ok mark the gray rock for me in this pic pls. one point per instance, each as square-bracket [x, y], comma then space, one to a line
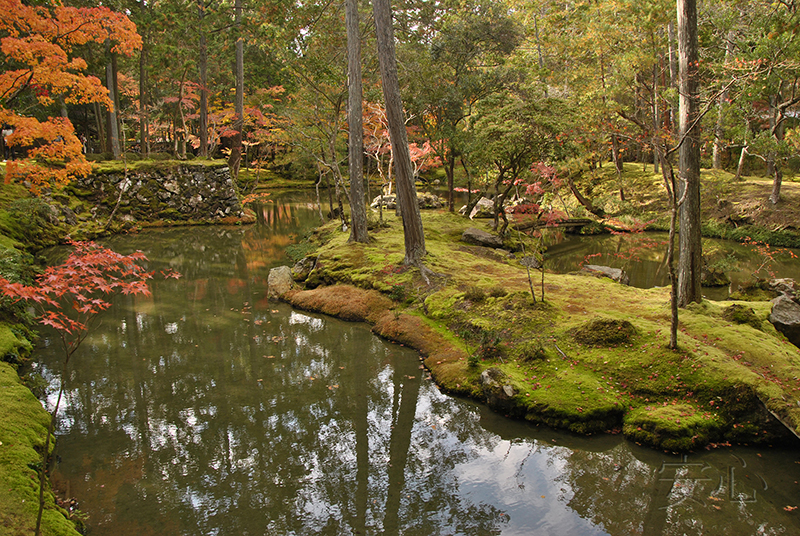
[785, 286]
[484, 208]
[530, 262]
[617, 274]
[389, 202]
[497, 389]
[279, 282]
[302, 268]
[478, 237]
[785, 316]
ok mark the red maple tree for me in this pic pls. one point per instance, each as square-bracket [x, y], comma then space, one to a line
[69, 296]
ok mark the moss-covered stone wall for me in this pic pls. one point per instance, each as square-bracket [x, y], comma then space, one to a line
[178, 193]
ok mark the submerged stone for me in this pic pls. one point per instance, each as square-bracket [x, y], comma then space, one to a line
[617, 274]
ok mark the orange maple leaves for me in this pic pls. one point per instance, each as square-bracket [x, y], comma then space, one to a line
[37, 55]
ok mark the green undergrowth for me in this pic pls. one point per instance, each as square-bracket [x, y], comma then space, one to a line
[593, 356]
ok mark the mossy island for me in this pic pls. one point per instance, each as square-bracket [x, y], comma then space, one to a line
[591, 358]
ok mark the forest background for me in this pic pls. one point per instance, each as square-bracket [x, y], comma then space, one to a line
[490, 87]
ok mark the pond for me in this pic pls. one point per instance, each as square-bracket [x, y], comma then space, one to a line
[643, 256]
[207, 410]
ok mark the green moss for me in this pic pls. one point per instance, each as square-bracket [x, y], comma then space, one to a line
[22, 432]
[605, 332]
[622, 363]
[13, 347]
[741, 314]
[672, 426]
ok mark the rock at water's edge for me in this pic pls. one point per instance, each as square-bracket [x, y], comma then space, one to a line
[280, 281]
[617, 274]
[785, 316]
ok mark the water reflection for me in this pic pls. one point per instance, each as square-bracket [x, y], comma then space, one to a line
[643, 256]
[204, 409]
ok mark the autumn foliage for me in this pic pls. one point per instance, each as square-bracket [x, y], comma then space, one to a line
[67, 296]
[37, 53]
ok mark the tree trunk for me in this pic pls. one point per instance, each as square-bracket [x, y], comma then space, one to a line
[740, 167]
[690, 258]
[413, 233]
[358, 210]
[235, 159]
[182, 153]
[778, 133]
[719, 132]
[202, 60]
[113, 124]
[656, 117]
[449, 171]
[144, 124]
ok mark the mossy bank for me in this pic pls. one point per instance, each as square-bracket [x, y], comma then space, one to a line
[590, 357]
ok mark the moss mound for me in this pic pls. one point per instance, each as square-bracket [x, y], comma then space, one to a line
[605, 332]
[741, 314]
[675, 427]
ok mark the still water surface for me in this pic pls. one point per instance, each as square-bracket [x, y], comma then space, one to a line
[206, 410]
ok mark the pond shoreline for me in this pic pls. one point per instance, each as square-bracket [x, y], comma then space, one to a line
[449, 321]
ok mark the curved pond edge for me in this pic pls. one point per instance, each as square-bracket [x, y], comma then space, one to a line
[449, 368]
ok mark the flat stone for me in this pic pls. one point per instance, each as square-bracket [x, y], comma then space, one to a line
[617, 274]
[479, 237]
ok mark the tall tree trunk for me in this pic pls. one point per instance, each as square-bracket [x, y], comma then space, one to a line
[719, 132]
[449, 171]
[414, 237]
[778, 132]
[235, 159]
[690, 258]
[144, 120]
[182, 153]
[113, 123]
[656, 117]
[358, 210]
[202, 53]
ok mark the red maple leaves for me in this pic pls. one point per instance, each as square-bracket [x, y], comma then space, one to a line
[81, 284]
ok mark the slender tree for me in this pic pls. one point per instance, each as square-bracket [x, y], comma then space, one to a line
[690, 259]
[235, 159]
[404, 175]
[358, 212]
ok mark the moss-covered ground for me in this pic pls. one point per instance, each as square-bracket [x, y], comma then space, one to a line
[591, 357]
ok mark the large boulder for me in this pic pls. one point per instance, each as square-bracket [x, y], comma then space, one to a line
[785, 286]
[785, 316]
[617, 274]
[279, 282]
[303, 268]
[477, 237]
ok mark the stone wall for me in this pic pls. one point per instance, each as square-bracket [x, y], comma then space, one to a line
[176, 192]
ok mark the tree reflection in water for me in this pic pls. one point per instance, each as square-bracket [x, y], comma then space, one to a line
[206, 410]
